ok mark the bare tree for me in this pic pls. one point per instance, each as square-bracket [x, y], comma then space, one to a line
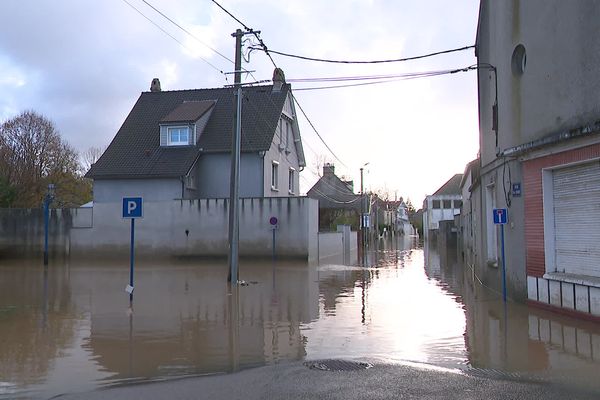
[90, 156]
[32, 155]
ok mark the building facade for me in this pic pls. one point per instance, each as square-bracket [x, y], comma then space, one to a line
[443, 205]
[539, 113]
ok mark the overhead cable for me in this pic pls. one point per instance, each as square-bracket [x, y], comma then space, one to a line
[316, 131]
[188, 32]
[375, 80]
[262, 47]
[306, 58]
[171, 36]
[265, 49]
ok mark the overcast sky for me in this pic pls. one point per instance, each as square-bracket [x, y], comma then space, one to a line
[83, 64]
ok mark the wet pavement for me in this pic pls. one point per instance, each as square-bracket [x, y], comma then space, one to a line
[414, 313]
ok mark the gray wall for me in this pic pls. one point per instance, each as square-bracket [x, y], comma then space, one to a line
[559, 88]
[214, 170]
[162, 231]
[22, 231]
[110, 190]
[286, 154]
[100, 231]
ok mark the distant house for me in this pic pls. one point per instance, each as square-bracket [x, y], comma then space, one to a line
[177, 145]
[443, 205]
[337, 202]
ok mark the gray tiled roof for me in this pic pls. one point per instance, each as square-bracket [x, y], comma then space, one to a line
[189, 111]
[135, 151]
[451, 187]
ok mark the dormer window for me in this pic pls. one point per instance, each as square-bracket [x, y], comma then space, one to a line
[178, 135]
[185, 123]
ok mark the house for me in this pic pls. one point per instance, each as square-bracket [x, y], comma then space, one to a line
[539, 125]
[337, 202]
[469, 219]
[177, 145]
[443, 205]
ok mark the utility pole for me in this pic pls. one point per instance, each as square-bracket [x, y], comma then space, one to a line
[363, 229]
[234, 194]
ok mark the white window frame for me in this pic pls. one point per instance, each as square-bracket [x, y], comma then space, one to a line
[274, 175]
[291, 180]
[179, 128]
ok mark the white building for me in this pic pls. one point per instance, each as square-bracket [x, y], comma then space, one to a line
[443, 205]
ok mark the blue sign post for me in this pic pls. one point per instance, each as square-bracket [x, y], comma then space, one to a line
[132, 208]
[501, 218]
[274, 225]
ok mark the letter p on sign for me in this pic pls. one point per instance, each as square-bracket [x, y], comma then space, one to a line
[132, 207]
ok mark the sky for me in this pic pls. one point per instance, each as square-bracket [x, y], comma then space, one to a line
[84, 63]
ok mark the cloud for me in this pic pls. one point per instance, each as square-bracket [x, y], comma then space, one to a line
[84, 63]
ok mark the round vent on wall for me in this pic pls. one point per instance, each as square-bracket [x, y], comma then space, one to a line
[519, 60]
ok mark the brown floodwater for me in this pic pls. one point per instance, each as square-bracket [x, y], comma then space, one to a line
[69, 328]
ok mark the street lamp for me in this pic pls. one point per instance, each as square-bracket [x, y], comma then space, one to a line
[48, 198]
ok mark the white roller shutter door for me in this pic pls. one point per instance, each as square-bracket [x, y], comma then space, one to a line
[576, 192]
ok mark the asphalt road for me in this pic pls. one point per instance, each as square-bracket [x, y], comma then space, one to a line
[296, 381]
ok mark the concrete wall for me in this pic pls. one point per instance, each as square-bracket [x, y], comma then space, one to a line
[339, 247]
[559, 88]
[200, 228]
[162, 232]
[110, 190]
[213, 173]
[22, 231]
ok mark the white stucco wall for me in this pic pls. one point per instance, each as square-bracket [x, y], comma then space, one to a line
[110, 190]
[162, 230]
[213, 174]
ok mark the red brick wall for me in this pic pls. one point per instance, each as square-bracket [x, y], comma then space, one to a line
[534, 212]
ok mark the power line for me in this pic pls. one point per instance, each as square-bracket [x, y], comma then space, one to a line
[316, 131]
[265, 49]
[306, 58]
[172, 37]
[374, 77]
[376, 82]
[262, 47]
[188, 32]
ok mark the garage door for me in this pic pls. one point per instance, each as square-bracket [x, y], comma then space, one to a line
[577, 219]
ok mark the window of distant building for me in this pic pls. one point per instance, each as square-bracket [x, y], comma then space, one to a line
[436, 204]
[457, 203]
[447, 204]
[275, 175]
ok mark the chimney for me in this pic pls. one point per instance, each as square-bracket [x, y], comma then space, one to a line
[155, 85]
[328, 169]
[278, 79]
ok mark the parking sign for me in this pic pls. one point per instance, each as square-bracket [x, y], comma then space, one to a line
[132, 207]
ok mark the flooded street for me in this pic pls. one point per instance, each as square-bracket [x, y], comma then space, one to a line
[70, 328]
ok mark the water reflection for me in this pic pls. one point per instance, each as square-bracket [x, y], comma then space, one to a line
[514, 340]
[69, 328]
